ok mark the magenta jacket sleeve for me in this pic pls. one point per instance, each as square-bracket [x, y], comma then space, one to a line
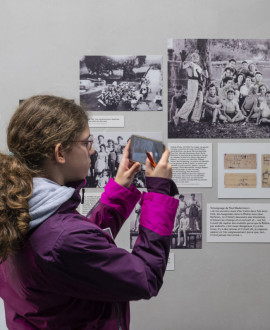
[115, 205]
[120, 198]
[158, 212]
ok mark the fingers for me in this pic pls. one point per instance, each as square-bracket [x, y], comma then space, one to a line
[127, 169]
[136, 167]
[126, 150]
[163, 168]
[165, 156]
[125, 175]
[148, 167]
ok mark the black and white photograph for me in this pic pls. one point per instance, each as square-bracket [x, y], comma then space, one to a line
[134, 224]
[108, 153]
[218, 88]
[187, 231]
[121, 83]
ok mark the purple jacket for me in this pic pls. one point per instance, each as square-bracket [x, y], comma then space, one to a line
[71, 275]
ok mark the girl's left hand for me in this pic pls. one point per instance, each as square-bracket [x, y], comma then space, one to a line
[127, 169]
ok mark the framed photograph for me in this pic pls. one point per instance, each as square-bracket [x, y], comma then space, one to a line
[121, 83]
[218, 88]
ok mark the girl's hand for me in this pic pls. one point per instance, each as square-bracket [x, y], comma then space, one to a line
[163, 168]
[127, 169]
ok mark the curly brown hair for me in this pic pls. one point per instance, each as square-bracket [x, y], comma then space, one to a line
[36, 127]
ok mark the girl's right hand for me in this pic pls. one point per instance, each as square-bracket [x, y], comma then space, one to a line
[126, 170]
[163, 168]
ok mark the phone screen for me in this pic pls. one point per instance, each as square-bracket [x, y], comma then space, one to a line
[139, 145]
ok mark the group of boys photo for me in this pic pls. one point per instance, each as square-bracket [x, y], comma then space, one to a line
[105, 161]
[212, 97]
[187, 231]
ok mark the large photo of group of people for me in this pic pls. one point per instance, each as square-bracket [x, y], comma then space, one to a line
[108, 153]
[218, 88]
[187, 231]
[121, 83]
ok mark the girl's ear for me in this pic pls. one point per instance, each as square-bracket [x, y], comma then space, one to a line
[59, 154]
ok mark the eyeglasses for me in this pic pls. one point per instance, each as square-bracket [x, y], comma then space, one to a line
[88, 143]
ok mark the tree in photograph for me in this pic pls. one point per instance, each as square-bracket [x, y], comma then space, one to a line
[128, 65]
[99, 65]
[203, 47]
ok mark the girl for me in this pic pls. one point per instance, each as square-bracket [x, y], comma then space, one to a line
[59, 269]
[262, 91]
[102, 160]
[239, 81]
[244, 90]
[237, 84]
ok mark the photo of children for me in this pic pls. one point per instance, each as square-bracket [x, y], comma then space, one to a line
[105, 160]
[134, 221]
[218, 88]
[121, 83]
[187, 232]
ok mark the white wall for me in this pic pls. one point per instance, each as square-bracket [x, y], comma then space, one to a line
[222, 286]
[2, 316]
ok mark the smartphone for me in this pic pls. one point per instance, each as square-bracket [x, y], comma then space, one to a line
[139, 145]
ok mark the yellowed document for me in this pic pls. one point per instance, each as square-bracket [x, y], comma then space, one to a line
[240, 180]
[266, 171]
[240, 161]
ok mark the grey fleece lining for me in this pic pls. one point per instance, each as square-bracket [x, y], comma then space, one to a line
[47, 197]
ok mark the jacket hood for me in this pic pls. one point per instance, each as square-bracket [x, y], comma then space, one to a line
[47, 197]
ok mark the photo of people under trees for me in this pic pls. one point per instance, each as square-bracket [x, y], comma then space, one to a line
[218, 88]
[121, 83]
